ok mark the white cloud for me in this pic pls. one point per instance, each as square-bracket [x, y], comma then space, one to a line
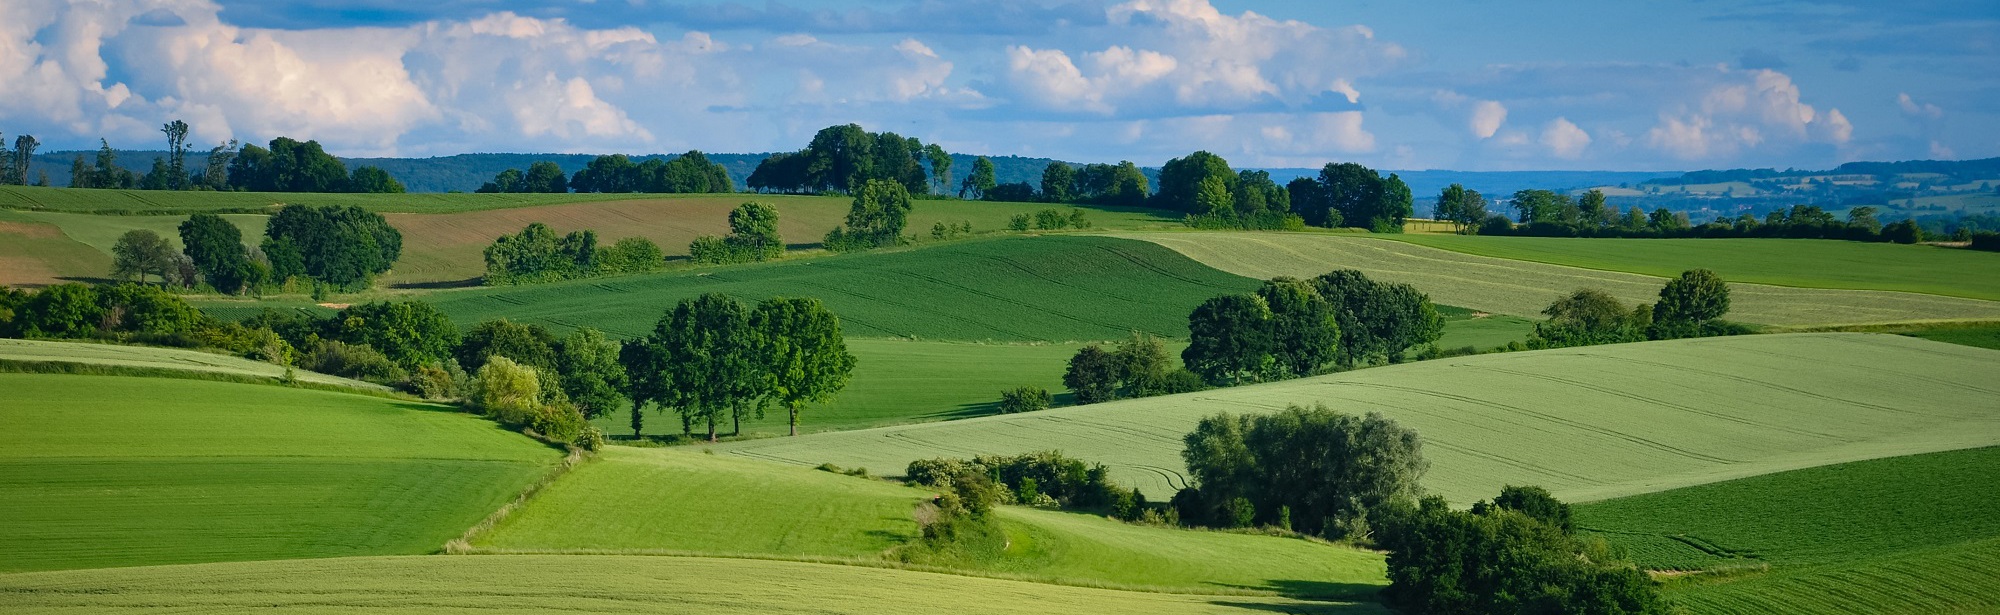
[1941, 152]
[1563, 139]
[1912, 108]
[1487, 116]
[1742, 110]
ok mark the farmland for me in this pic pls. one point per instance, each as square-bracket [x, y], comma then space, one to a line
[729, 505]
[159, 358]
[1806, 263]
[1524, 288]
[587, 583]
[210, 471]
[160, 202]
[1587, 423]
[1897, 535]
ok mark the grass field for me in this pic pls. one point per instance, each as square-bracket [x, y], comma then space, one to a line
[99, 471]
[1807, 263]
[160, 358]
[505, 584]
[37, 253]
[1902, 534]
[682, 501]
[1524, 288]
[1588, 423]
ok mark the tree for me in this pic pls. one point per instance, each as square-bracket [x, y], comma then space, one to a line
[630, 255]
[1328, 469]
[342, 246]
[1024, 399]
[216, 248]
[592, 376]
[1058, 182]
[1593, 212]
[1195, 184]
[804, 357]
[545, 177]
[691, 172]
[1211, 198]
[647, 379]
[1904, 232]
[981, 181]
[940, 167]
[1229, 339]
[177, 132]
[709, 353]
[1497, 559]
[1538, 504]
[1093, 375]
[1545, 206]
[24, 154]
[1465, 209]
[1256, 194]
[527, 344]
[61, 311]
[1143, 365]
[1377, 320]
[411, 333]
[1696, 297]
[507, 391]
[140, 252]
[881, 209]
[1588, 317]
[507, 181]
[373, 180]
[753, 231]
[1305, 334]
[216, 177]
[536, 254]
[1121, 184]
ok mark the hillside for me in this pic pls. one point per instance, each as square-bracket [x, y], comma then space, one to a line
[590, 583]
[1898, 535]
[100, 471]
[1587, 423]
[148, 357]
[1524, 288]
[728, 505]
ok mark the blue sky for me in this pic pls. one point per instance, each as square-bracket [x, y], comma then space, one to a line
[1456, 84]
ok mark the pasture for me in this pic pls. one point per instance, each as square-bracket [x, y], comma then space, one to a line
[1524, 288]
[101, 471]
[1901, 534]
[681, 501]
[505, 584]
[1804, 263]
[161, 358]
[1587, 423]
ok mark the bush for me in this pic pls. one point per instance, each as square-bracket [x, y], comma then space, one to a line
[357, 361]
[1051, 219]
[1496, 559]
[506, 391]
[1025, 399]
[1328, 470]
[1985, 241]
[1018, 223]
[557, 422]
[630, 255]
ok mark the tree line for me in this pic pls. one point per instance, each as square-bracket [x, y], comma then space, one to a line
[328, 247]
[287, 165]
[536, 254]
[1691, 305]
[1547, 213]
[847, 158]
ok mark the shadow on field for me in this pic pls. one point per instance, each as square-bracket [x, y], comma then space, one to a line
[1301, 609]
[86, 279]
[440, 284]
[1315, 590]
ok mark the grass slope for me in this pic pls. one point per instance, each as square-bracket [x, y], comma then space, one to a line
[35, 253]
[126, 202]
[1524, 288]
[1588, 423]
[1903, 534]
[682, 501]
[100, 471]
[160, 358]
[503, 584]
[1809, 263]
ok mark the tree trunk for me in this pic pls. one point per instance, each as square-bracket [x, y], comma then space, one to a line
[638, 420]
[711, 427]
[735, 423]
[795, 421]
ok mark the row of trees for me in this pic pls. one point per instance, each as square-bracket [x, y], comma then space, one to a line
[847, 158]
[291, 166]
[691, 172]
[1546, 213]
[286, 166]
[1121, 184]
[1516, 555]
[1309, 470]
[338, 247]
[1292, 327]
[712, 358]
[542, 177]
[753, 237]
[537, 254]
[1691, 305]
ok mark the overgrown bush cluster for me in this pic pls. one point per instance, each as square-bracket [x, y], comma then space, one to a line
[753, 236]
[1691, 305]
[1137, 367]
[1309, 470]
[1045, 479]
[880, 211]
[1292, 328]
[536, 255]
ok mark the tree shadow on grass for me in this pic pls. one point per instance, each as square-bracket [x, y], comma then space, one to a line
[1327, 608]
[86, 279]
[1315, 590]
[440, 284]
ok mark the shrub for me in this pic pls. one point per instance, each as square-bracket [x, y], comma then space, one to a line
[1328, 469]
[357, 361]
[1018, 223]
[630, 255]
[557, 422]
[507, 391]
[1496, 559]
[1025, 399]
[1051, 219]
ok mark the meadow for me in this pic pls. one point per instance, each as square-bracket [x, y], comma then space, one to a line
[505, 584]
[726, 505]
[161, 358]
[1524, 288]
[1901, 534]
[1806, 263]
[1587, 423]
[101, 471]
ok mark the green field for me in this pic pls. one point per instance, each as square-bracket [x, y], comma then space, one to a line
[1524, 288]
[684, 502]
[160, 358]
[1588, 423]
[1808, 263]
[589, 584]
[1984, 336]
[122, 202]
[99, 471]
[1902, 534]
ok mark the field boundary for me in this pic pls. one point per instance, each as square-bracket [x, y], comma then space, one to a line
[85, 368]
[463, 544]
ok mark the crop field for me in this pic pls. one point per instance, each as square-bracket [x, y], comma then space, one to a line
[1807, 263]
[1034, 289]
[34, 253]
[1524, 288]
[161, 358]
[505, 584]
[684, 502]
[122, 202]
[1896, 534]
[1587, 423]
[99, 471]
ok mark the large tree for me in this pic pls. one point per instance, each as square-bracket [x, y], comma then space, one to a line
[411, 333]
[592, 377]
[1321, 470]
[1695, 298]
[709, 352]
[940, 167]
[373, 180]
[216, 248]
[140, 252]
[177, 132]
[1463, 208]
[24, 155]
[981, 181]
[804, 357]
[880, 211]
[545, 177]
[1189, 184]
[528, 344]
[1229, 339]
[753, 231]
[1093, 375]
[342, 246]
[1059, 182]
[1378, 321]
[1305, 334]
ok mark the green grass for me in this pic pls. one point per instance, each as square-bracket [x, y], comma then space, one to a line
[1983, 336]
[99, 471]
[1523, 287]
[682, 501]
[504, 584]
[148, 357]
[142, 202]
[1883, 531]
[1807, 263]
[1587, 423]
[1480, 330]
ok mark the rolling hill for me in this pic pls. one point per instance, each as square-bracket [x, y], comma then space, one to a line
[150, 357]
[1587, 423]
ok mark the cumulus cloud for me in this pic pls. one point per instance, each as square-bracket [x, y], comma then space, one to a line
[1564, 139]
[1487, 116]
[1919, 110]
[1742, 110]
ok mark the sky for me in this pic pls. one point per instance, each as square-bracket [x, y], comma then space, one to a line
[1464, 85]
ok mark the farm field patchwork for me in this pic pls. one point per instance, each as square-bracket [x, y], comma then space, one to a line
[1896, 534]
[506, 584]
[160, 358]
[181, 471]
[1805, 263]
[1524, 288]
[1587, 423]
[682, 501]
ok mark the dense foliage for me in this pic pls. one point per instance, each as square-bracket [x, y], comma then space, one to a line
[1310, 470]
[1044, 478]
[1025, 399]
[691, 172]
[215, 247]
[341, 246]
[753, 236]
[880, 212]
[711, 357]
[1139, 367]
[536, 254]
[542, 177]
[846, 158]
[1291, 328]
[291, 166]
[1513, 556]
[1348, 194]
